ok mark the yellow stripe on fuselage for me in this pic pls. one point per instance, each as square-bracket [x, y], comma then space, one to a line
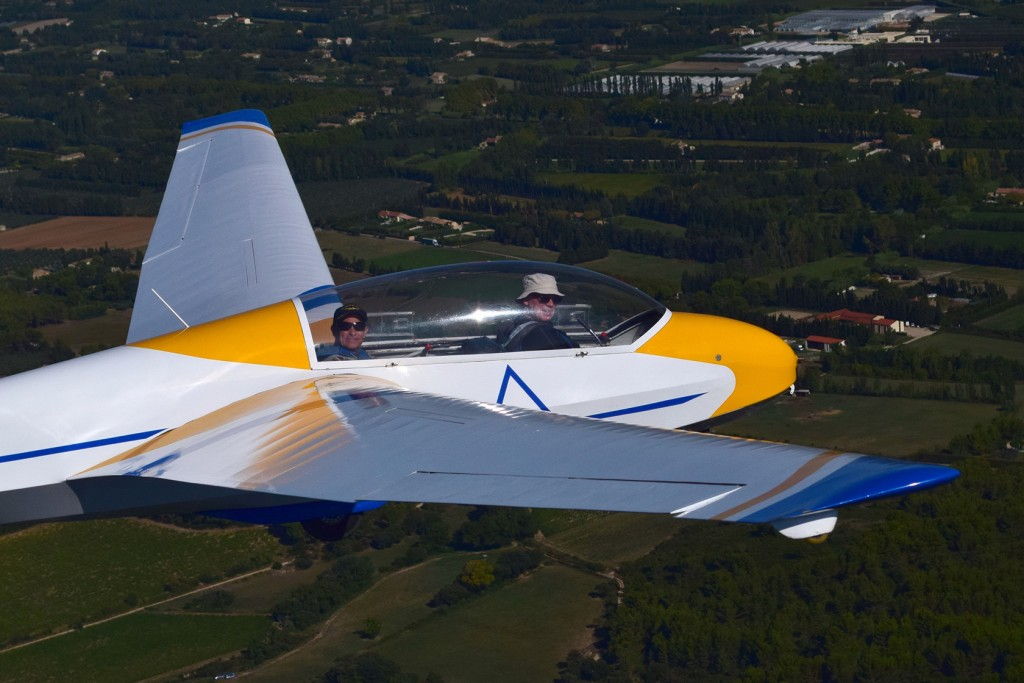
[763, 364]
[271, 335]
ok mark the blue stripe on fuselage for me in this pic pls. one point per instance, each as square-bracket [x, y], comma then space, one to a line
[79, 446]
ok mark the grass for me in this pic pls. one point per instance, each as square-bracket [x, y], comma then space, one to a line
[1011, 320]
[130, 649]
[886, 426]
[628, 184]
[952, 343]
[57, 575]
[109, 329]
[650, 273]
[517, 633]
[615, 538]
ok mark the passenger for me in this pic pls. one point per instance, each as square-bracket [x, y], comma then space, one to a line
[533, 330]
[349, 330]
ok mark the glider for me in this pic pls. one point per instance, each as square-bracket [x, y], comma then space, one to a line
[219, 402]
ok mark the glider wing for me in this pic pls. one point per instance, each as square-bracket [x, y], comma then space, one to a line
[231, 234]
[349, 438]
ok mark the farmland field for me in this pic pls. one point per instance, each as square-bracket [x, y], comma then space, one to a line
[398, 601]
[109, 329]
[985, 238]
[358, 246]
[950, 343]
[860, 423]
[615, 538]
[650, 273]
[628, 184]
[1010, 320]
[81, 232]
[513, 251]
[132, 648]
[516, 633]
[455, 159]
[839, 270]
[56, 575]
[647, 224]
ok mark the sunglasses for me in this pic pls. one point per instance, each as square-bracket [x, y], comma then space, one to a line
[358, 327]
[547, 298]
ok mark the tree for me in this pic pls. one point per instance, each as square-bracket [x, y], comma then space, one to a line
[477, 575]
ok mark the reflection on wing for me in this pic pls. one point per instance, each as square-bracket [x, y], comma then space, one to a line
[349, 438]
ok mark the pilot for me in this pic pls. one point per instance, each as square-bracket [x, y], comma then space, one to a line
[349, 330]
[533, 330]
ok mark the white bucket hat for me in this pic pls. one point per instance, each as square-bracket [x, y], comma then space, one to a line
[539, 283]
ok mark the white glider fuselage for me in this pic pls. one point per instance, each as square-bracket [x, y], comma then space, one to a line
[60, 420]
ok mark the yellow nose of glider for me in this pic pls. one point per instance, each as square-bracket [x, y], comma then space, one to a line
[763, 364]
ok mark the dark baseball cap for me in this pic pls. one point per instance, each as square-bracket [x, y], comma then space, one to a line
[349, 311]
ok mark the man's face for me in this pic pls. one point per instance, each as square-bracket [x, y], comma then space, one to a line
[542, 306]
[347, 334]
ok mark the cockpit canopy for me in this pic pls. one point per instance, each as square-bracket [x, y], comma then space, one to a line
[473, 308]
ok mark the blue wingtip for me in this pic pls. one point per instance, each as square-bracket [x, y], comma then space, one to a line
[863, 479]
[246, 115]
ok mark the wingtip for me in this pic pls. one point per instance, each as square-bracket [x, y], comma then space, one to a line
[240, 115]
[864, 479]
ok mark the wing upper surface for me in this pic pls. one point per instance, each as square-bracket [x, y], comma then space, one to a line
[231, 235]
[349, 438]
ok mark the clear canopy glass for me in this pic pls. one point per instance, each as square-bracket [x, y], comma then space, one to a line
[478, 308]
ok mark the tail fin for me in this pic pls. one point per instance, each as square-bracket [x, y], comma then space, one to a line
[231, 234]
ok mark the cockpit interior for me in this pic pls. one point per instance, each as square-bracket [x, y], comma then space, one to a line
[478, 308]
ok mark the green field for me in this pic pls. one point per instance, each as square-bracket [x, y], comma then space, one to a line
[840, 270]
[455, 159]
[951, 343]
[513, 251]
[109, 329]
[398, 601]
[829, 146]
[361, 246]
[517, 633]
[628, 184]
[885, 426]
[985, 238]
[1010, 320]
[130, 649]
[431, 256]
[57, 575]
[615, 538]
[650, 273]
[647, 224]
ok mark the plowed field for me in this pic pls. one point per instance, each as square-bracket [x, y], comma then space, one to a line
[81, 232]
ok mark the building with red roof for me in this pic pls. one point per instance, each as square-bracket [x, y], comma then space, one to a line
[821, 343]
[877, 323]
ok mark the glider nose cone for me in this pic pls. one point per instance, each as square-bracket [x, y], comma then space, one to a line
[763, 365]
